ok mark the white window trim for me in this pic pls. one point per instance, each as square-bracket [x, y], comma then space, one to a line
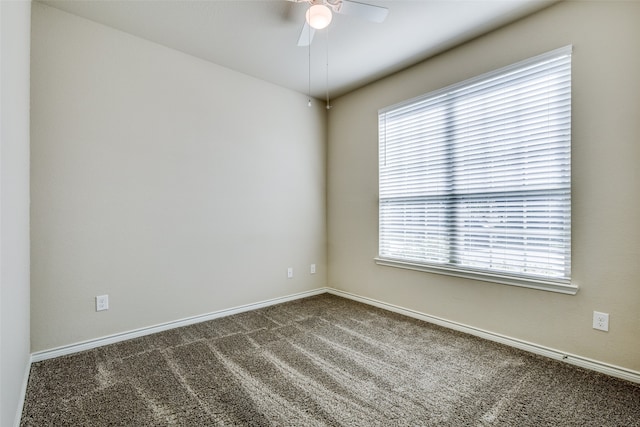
[539, 284]
[568, 287]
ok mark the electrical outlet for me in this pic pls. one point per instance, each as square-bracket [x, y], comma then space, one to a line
[102, 302]
[601, 321]
[290, 273]
[312, 269]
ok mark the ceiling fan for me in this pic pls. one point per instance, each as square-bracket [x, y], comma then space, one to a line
[320, 13]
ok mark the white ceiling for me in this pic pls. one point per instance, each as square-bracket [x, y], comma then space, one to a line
[259, 37]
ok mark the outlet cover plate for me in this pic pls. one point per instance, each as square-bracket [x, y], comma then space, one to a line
[102, 302]
[601, 321]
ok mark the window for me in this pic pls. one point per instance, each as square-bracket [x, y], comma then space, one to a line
[475, 179]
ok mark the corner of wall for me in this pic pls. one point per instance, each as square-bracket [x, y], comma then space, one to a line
[15, 37]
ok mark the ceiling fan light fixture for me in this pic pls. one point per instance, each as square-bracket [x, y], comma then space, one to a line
[319, 16]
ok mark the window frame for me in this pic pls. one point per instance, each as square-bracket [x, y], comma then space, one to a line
[561, 285]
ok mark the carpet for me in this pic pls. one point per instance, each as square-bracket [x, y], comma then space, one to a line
[320, 361]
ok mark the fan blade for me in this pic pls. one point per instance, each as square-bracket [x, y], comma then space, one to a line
[365, 11]
[306, 36]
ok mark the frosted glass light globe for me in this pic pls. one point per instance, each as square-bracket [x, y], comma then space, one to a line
[319, 16]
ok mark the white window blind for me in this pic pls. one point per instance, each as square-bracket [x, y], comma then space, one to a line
[476, 177]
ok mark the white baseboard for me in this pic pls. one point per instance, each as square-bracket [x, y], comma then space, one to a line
[594, 365]
[123, 336]
[23, 394]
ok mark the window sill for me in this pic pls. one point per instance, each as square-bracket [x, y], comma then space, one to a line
[543, 285]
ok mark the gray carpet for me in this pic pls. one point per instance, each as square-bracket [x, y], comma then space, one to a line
[320, 361]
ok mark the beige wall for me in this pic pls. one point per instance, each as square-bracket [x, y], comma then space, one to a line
[14, 206]
[606, 187]
[179, 187]
[173, 185]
